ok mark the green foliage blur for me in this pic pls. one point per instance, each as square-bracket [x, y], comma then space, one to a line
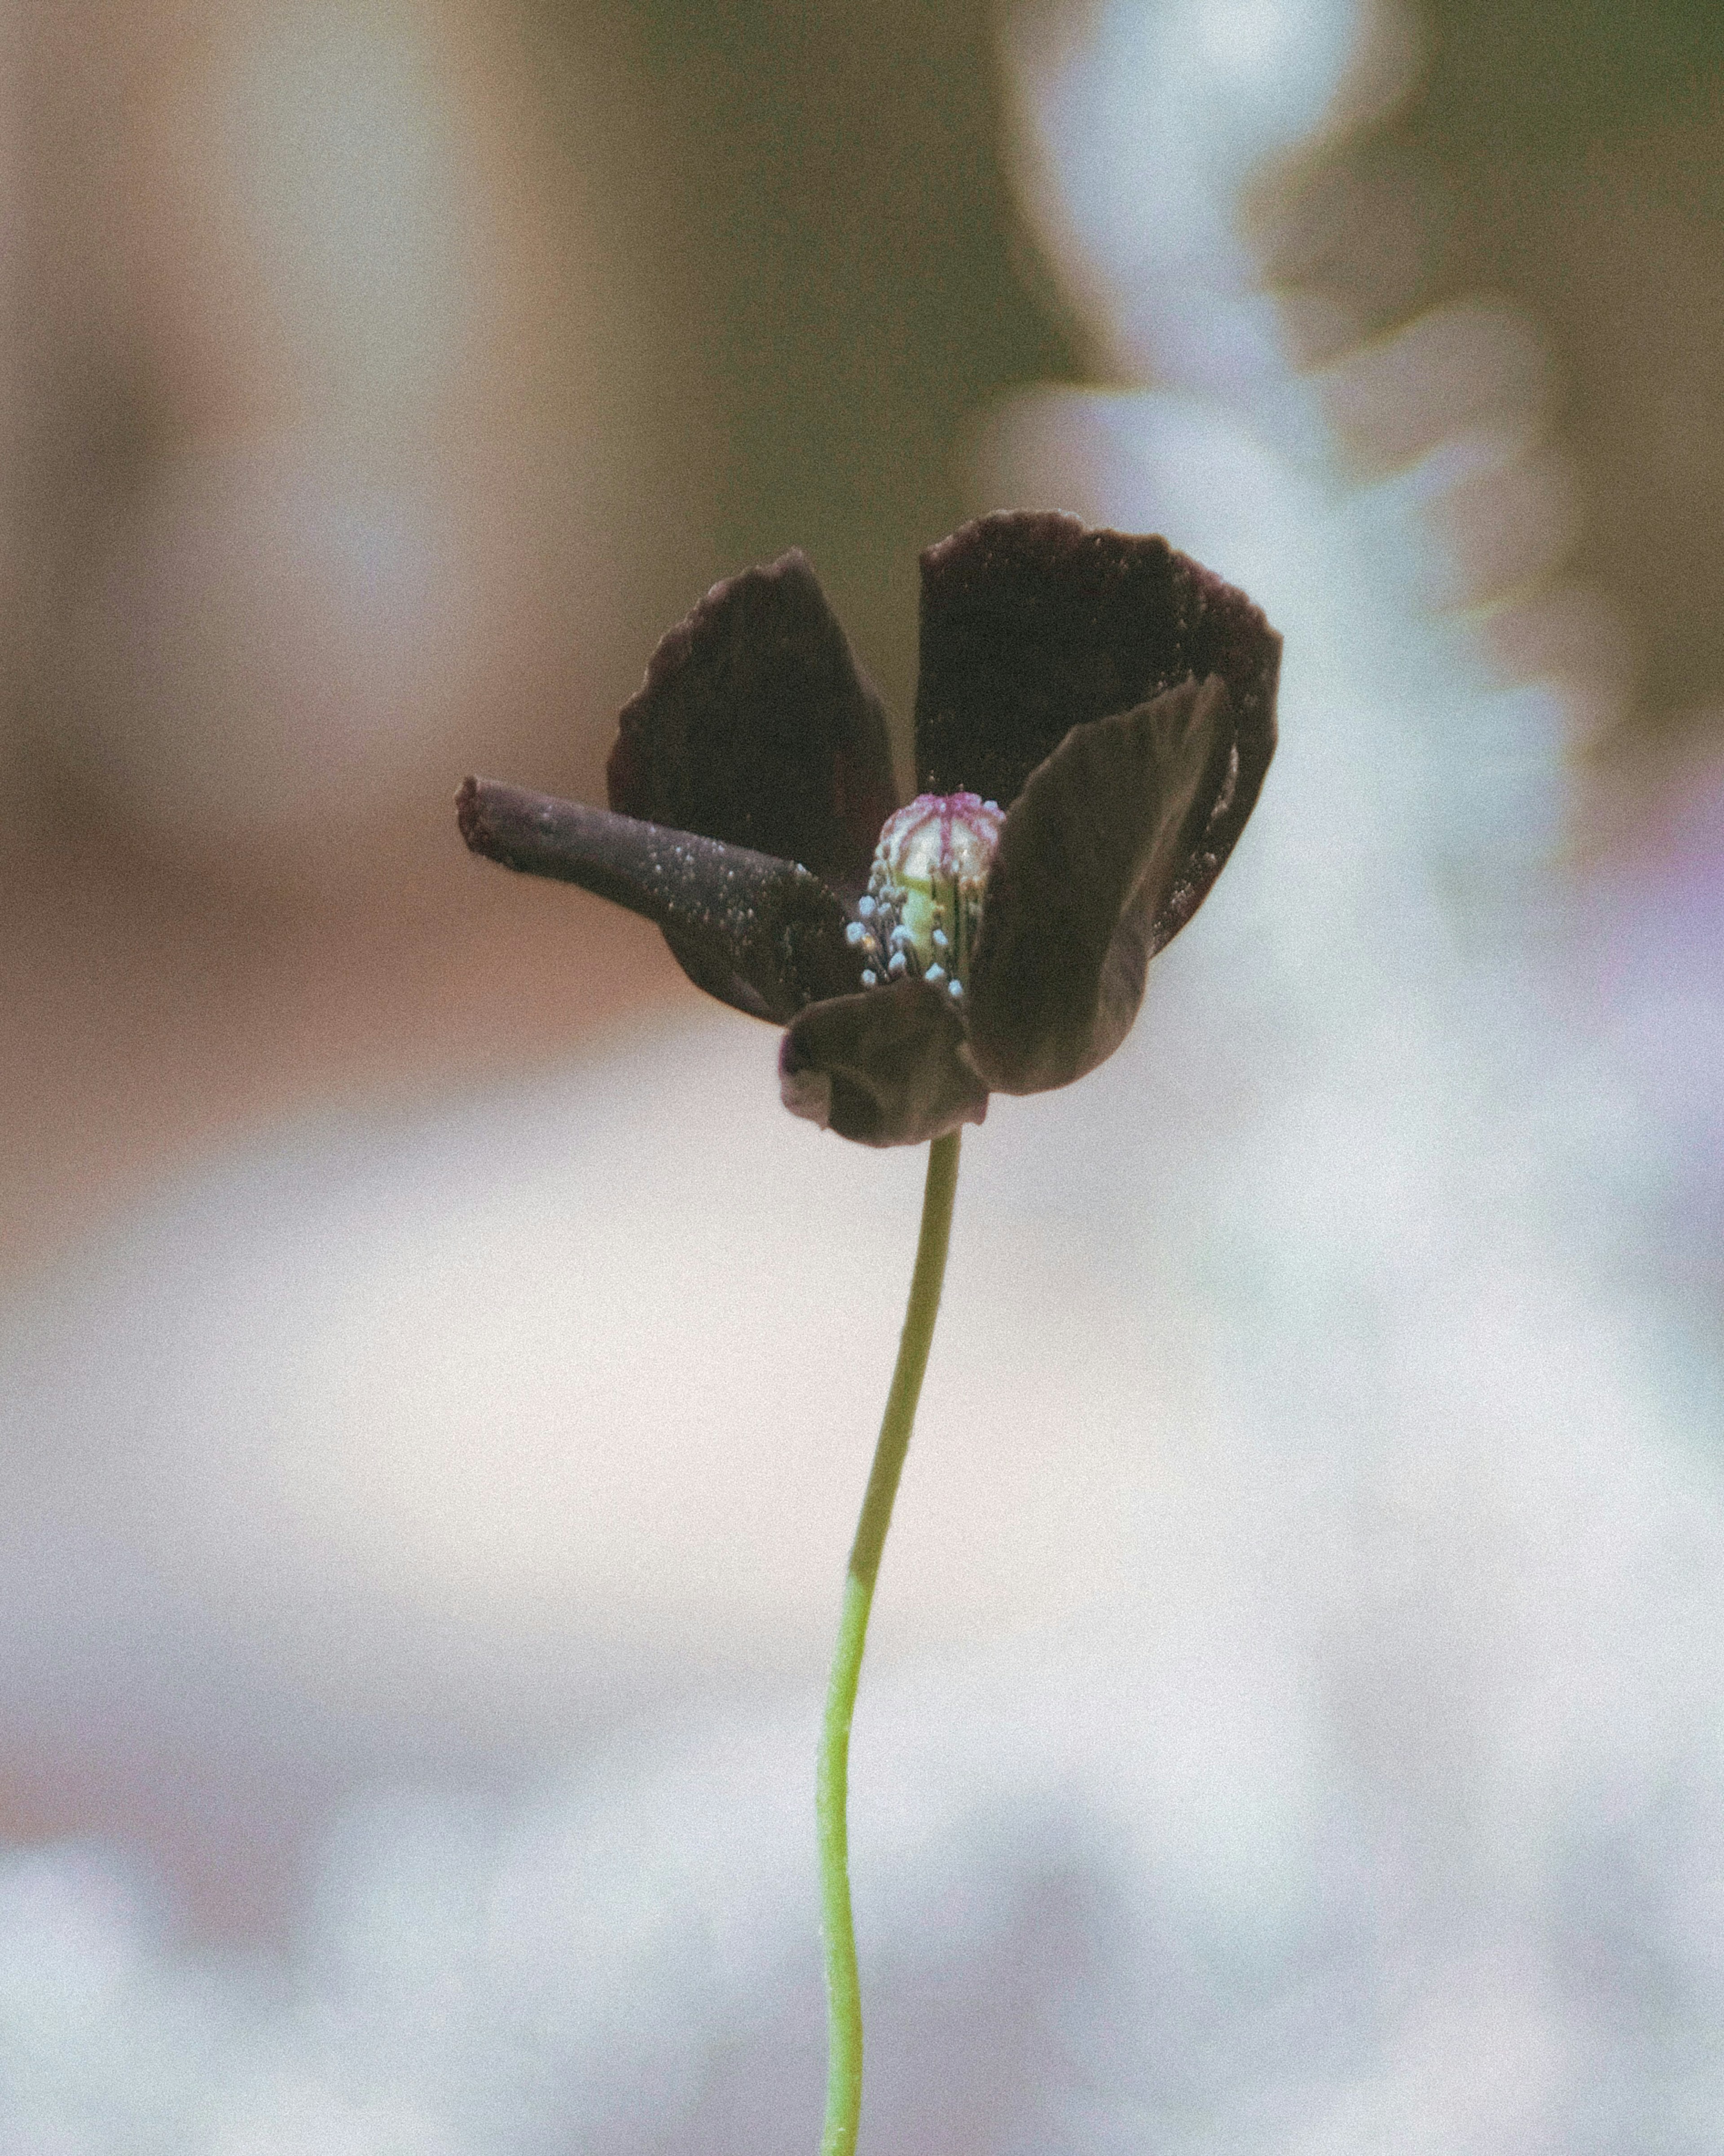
[830, 180]
[1551, 77]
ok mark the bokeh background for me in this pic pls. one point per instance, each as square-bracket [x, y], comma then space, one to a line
[436, 1379]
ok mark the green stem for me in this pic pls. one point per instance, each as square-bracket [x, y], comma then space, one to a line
[844, 1993]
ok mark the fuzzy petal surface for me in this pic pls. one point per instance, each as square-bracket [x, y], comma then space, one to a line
[1032, 623]
[759, 933]
[1096, 847]
[888, 1067]
[755, 727]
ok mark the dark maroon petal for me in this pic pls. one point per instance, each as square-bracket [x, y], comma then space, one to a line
[1032, 625]
[1109, 833]
[888, 1067]
[760, 934]
[754, 726]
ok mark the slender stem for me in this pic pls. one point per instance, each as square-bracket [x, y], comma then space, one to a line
[843, 1995]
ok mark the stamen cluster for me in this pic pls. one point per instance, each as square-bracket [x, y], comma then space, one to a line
[923, 904]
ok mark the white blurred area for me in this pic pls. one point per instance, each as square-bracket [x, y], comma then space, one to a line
[1294, 1717]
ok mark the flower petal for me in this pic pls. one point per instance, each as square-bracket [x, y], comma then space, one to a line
[760, 934]
[754, 726]
[887, 1067]
[1032, 625]
[1098, 849]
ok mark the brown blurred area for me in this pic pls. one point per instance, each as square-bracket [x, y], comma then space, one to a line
[378, 378]
[323, 482]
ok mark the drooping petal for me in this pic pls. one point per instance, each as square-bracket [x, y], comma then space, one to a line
[887, 1067]
[1032, 623]
[755, 727]
[761, 934]
[1096, 851]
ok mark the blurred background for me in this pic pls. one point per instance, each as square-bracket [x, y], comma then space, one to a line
[380, 380]
[434, 1373]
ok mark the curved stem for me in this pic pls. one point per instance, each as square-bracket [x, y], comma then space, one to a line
[843, 1995]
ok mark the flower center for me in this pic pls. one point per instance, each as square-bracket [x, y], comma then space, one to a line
[923, 900]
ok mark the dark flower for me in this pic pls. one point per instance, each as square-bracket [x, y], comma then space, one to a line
[1094, 719]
